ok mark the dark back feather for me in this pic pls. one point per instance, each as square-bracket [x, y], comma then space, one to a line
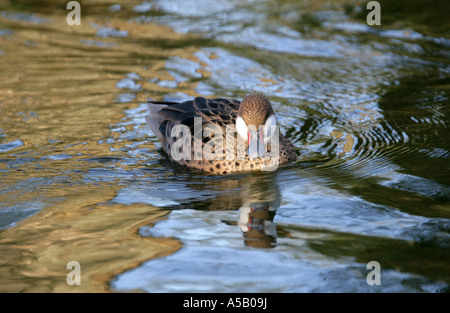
[221, 112]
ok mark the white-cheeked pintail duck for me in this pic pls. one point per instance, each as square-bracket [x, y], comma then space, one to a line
[251, 123]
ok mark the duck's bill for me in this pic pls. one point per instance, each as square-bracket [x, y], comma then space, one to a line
[256, 147]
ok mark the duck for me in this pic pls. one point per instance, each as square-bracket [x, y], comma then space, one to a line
[221, 136]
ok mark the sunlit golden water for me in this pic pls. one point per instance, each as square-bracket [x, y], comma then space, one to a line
[58, 98]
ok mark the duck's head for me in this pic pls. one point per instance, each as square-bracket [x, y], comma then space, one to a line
[256, 123]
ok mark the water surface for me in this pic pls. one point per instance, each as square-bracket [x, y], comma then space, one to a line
[82, 178]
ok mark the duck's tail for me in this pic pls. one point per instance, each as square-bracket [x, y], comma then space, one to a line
[161, 113]
[154, 120]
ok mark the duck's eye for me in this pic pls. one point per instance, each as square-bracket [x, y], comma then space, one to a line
[241, 127]
[270, 127]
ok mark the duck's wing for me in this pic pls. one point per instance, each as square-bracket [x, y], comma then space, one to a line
[164, 115]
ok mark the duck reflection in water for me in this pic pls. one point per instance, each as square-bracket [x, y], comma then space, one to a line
[256, 197]
[260, 200]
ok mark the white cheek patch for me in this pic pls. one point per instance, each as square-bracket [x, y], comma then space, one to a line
[270, 127]
[241, 127]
